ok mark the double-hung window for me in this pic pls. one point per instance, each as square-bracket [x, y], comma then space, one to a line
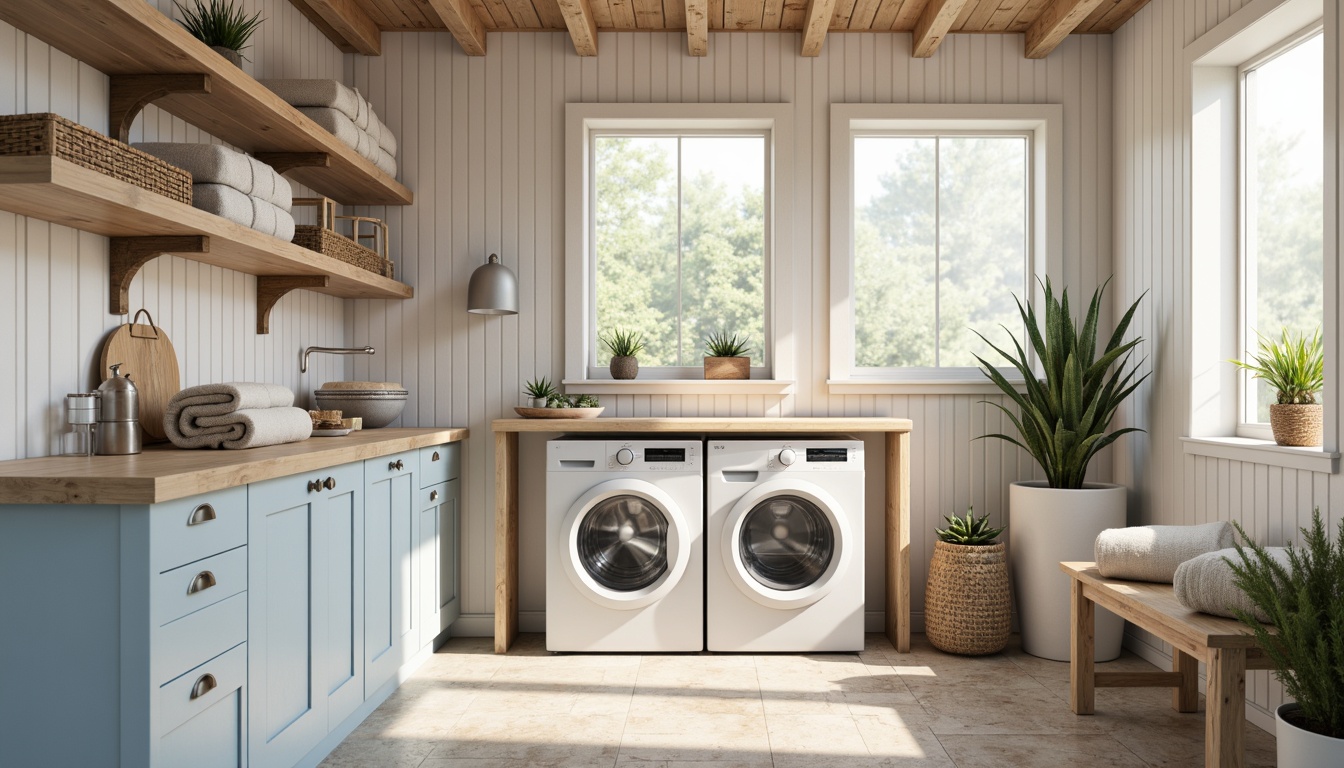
[941, 216]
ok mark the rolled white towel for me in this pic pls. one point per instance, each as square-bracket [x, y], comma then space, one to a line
[252, 212]
[1152, 552]
[215, 164]
[247, 428]
[1206, 583]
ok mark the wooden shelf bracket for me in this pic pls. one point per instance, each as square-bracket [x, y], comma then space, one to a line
[272, 288]
[129, 94]
[284, 162]
[128, 254]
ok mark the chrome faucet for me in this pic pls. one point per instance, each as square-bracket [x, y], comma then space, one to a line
[303, 361]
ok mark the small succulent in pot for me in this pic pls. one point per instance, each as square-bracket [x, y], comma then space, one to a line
[221, 25]
[970, 531]
[726, 356]
[1295, 367]
[538, 391]
[967, 605]
[624, 345]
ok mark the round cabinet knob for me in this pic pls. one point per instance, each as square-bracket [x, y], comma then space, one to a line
[787, 457]
[433, 495]
[329, 483]
[625, 456]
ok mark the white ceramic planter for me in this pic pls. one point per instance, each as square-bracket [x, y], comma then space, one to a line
[1300, 748]
[1046, 526]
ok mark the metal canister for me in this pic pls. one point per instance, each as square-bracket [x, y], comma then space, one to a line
[118, 416]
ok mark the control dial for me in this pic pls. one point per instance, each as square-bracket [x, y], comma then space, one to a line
[787, 457]
[625, 456]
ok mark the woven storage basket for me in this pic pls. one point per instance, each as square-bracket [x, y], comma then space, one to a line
[49, 134]
[967, 605]
[1298, 425]
[329, 243]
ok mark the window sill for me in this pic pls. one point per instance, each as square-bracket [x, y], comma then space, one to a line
[679, 386]
[1263, 452]
[912, 387]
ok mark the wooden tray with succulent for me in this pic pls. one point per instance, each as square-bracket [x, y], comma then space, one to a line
[548, 403]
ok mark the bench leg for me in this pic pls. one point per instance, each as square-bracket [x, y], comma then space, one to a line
[1082, 657]
[1225, 700]
[1185, 698]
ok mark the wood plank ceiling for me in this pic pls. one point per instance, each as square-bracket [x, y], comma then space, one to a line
[354, 24]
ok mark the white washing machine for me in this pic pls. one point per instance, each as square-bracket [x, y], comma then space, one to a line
[625, 566]
[784, 543]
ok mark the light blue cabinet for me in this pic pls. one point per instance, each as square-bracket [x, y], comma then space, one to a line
[439, 580]
[391, 538]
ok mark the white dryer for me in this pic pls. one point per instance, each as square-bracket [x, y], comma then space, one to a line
[784, 543]
[624, 545]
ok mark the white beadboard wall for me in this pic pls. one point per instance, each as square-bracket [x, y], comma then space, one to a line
[1151, 229]
[53, 279]
[482, 145]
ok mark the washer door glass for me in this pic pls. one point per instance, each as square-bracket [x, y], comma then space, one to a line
[786, 543]
[622, 543]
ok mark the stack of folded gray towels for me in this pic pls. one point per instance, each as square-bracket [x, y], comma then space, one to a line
[344, 113]
[1192, 558]
[230, 184]
[235, 415]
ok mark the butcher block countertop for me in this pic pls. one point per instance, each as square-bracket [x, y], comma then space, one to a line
[163, 473]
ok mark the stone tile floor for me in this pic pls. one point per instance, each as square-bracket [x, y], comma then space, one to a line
[467, 706]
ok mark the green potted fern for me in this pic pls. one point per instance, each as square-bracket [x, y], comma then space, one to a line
[221, 25]
[726, 357]
[1061, 420]
[1305, 603]
[967, 605]
[1295, 367]
[623, 345]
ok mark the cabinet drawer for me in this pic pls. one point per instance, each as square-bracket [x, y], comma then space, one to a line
[186, 643]
[196, 585]
[226, 674]
[440, 463]
[397, 464]
[186, 530]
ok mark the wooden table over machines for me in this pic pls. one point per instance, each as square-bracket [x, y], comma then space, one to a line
[897, 433]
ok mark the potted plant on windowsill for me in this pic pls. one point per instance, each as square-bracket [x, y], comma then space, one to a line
[1303, 602]
[1295, 368]
[1062, 421]
[221, 25]
[623, 345]
[967, 605]
[726, 357]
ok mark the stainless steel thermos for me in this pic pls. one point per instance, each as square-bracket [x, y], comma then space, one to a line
[118, 431]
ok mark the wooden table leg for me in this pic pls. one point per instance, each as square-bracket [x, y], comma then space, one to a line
[1082, 655]
[1185, 698]
[506, 540]
[898, 540]
[1225, 701]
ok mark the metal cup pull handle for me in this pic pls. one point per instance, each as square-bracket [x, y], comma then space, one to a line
[203, 581]
[434, 457]
[329, 483]
[202, 514]
[433, 495]
[204, 684]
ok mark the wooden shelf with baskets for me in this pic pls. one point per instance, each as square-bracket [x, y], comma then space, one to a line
[151, 58]
[144, 225]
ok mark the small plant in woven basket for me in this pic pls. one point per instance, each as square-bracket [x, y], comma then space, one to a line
[537, 390]
[726, 356]
[219, 24]
[623, 345]
[1295, 367]
[967, 605]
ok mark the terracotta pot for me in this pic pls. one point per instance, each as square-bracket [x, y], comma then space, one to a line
[624, 367]
[967, 606]
[1298, 425]
[233, 56]
[727, 367]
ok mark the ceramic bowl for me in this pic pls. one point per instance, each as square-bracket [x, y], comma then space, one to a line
[377, 410]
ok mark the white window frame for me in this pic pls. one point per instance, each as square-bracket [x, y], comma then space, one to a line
[1043, 123]
[585, 122]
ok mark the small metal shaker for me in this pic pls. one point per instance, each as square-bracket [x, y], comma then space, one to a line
[118, 416]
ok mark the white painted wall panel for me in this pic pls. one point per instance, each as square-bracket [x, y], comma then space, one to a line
[483, 148]
[53, 280]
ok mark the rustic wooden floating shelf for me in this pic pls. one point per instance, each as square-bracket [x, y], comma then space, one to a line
[131, 37]
[144, 225]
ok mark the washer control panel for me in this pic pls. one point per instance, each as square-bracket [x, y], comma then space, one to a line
[639, 456]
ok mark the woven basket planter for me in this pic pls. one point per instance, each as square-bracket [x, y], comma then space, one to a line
[967, 605]
[50, 134]
[624, 367]
[1298, 425]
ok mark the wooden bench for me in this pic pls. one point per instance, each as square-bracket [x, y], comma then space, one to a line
[1225, 645]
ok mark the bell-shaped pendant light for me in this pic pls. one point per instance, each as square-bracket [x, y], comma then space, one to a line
[493, 289]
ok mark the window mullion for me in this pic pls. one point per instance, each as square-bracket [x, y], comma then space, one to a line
[681, 360]
[937, 252]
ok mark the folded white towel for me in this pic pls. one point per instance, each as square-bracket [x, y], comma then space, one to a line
[247, 428]
[381, 133]
[1206, 583]
[249, 211]
[319, 93]
[344, 129]
[385, 162]
[1152, 552]
[215, 164]
[219, 399]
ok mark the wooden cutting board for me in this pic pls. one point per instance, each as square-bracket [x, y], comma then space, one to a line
[145, 353]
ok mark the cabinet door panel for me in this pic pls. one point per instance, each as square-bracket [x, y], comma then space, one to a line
[341, 660]
[389, 538]
[427, 567]
[212, 739]
[449, 572]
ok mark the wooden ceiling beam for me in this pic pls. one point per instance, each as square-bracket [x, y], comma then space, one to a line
[933, 25]
[816, 24]
[462, 21]
[1054, 24]
[345, 24]
[697, 27]
[582, 26]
